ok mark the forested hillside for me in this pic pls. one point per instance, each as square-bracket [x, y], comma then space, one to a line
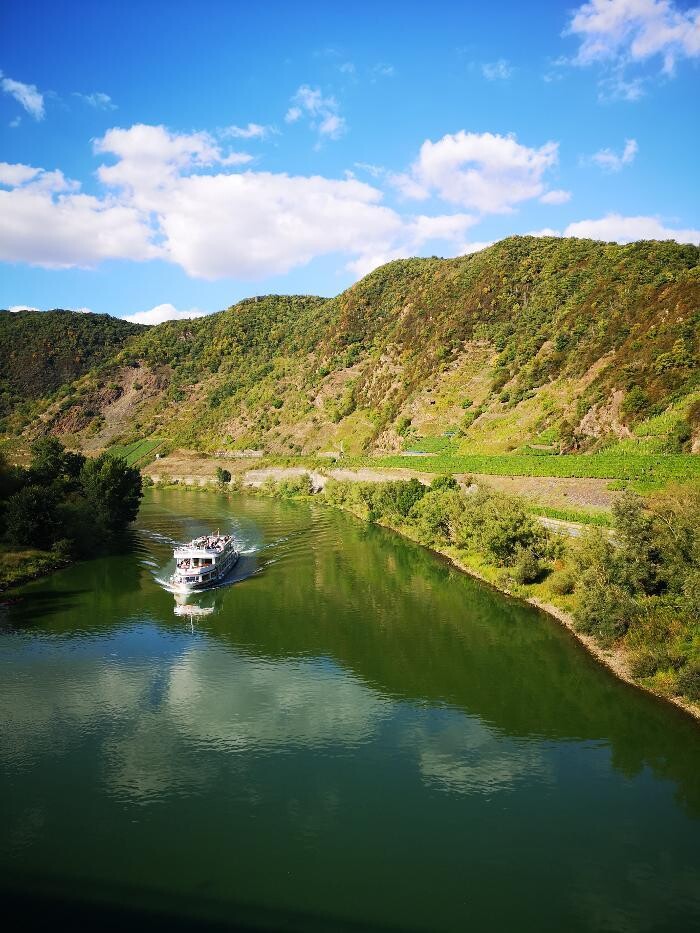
[40, 351]
[551, 343]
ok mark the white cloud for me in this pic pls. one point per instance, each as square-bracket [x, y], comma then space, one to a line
[407, 186]
[12, 175]
[321, 111]
[164, 312]
[251, 131]
[545, 231]
[256, 223]
[481, 171]
[98, 100]
[621, 31]
[614, 227]
[610, 161]
[416, 233]
[151, 158]
[46, 221]
[500, 70]
[556, 196]
[28, 95]
[175, 197]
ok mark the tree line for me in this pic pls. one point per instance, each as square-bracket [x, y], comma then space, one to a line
[66, 502]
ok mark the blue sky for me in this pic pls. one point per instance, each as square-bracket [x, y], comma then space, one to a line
[179, 156]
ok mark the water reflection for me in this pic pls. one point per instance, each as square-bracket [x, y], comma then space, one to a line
[359, 711]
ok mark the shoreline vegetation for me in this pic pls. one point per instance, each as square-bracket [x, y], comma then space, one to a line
[629, 594]
[60, 508]
[627, 587]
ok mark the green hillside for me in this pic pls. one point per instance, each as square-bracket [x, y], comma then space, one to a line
[41, 351]
[534, 344]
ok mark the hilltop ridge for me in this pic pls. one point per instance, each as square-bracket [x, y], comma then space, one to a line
[554, 344]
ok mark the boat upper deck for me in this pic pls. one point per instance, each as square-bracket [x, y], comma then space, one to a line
[206, 546]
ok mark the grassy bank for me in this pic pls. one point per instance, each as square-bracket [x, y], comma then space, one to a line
[19, 565]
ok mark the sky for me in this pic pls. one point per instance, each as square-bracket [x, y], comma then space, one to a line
[166, 159]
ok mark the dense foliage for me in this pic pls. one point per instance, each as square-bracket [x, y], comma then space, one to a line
[41, 351]
[65, 502]
[554, 328]
[642, 587]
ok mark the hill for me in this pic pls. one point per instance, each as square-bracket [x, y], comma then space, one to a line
[41, 351]
[534, 344]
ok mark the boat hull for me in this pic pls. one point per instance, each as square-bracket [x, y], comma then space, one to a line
[198, 586]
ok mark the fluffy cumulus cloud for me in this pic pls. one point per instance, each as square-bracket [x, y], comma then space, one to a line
[635, 30]
[186, 199]
[45, 220]
[15, 174]
[150, 159]
[621, 37]
[321, 111]
[164, 312]
[255, 224]
[611, 161]
[27, 95]
[485, 172]
[182, 198]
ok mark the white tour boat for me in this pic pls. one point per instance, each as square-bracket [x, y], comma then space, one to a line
[203, 562]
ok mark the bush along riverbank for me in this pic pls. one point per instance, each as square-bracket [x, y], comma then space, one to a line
[63, 507]
[630, 594]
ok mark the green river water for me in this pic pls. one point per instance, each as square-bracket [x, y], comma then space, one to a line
[352, 734]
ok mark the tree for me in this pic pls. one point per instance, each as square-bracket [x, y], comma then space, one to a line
[30, 517]
[113, 490]
[52, 463]
[222, 476]
[500, 528]
[435, 514]
[47, 460]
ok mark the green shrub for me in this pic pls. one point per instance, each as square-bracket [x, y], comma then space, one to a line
[435, 514]
[527, 567]
[689, 680]
[562, 583]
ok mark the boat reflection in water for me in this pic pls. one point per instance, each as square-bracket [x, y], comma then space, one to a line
[198, 604]
[190, 610]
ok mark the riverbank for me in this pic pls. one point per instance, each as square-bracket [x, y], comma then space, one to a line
[616, 659]
[21, 565]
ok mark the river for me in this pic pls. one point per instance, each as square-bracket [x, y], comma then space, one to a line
[350, 732]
